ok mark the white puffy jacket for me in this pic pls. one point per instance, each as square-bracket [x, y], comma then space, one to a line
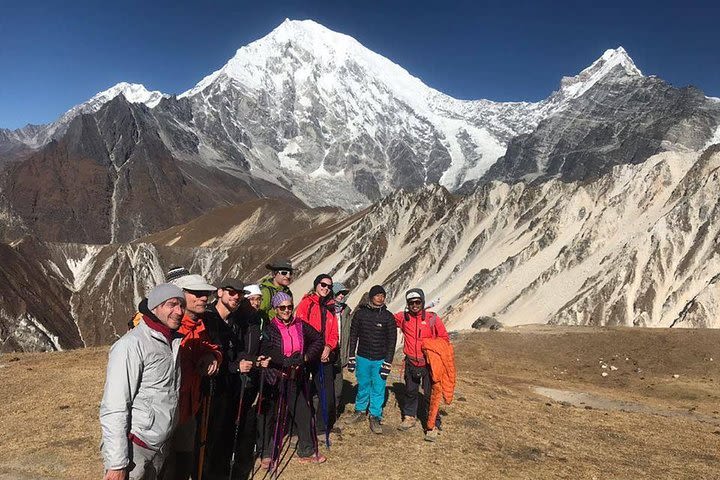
[141, 393]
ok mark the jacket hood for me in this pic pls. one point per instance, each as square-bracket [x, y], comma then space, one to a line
[415, 293]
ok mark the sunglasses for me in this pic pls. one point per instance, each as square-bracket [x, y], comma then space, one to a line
[325, 285]
[284, 308]
[284, 273]
[414, 302]
[200, 293]
[232, 292]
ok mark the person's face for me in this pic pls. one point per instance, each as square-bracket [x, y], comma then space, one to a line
[283, 277]
[170, 313]
[196, 301]
[324, 288]
[340, 296]
[414, 305]
[254, 301]
[284, 310]
[378, 300]
[230, 298]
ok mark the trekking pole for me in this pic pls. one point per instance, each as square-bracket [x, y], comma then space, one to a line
[279, 420]
[260, 393]
[204, 420]
[243, 384]
[323, 405]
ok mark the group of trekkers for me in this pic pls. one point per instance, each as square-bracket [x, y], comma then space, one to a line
[204, 390]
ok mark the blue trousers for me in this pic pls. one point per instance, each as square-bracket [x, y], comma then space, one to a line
[371, 386]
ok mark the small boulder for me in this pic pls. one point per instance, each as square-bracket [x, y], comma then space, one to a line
[486, 323]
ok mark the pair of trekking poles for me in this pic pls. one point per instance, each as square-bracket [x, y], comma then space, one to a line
[280, 435]
[205, 421]
[282, 415]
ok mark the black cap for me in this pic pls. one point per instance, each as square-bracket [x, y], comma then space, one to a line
[280, 264]
[376, 290]
[234, 284]
[176, 272]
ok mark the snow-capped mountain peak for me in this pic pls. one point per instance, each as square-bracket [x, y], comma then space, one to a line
[309, 45]
[133, 93]
[573, 87]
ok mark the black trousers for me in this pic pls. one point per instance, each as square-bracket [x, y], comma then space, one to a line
[221, 429]
[327, 387]
[416, 377]
[299, 415]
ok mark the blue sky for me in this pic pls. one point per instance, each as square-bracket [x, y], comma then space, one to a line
[55, 54]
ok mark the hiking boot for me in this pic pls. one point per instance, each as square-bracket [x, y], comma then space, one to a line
[375, 425]
[432, 435]
[407, 423]
[356, 417]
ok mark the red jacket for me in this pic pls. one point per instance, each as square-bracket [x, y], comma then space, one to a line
[415, 329]
[310, 311]
[195, 344]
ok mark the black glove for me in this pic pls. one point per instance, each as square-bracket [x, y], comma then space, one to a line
[234, 367]
[385, 370]
[294, 360]
[351, 364]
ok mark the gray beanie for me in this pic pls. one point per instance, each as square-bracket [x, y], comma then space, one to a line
[162, 292]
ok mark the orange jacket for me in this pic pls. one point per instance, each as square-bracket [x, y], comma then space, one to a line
[441, 357]
[195, 344]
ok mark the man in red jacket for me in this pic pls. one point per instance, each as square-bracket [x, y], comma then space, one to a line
[198, 357]
[416, 323]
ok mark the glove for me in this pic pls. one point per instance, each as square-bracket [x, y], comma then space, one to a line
[234, 367]
[385, 370]
[295, 360]
[351, 364]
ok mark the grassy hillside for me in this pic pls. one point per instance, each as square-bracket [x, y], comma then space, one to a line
[498, 427]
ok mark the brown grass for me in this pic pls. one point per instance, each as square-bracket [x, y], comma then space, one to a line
[496, 428]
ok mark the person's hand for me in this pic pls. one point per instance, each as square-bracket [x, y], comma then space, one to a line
[385, 370]
[263, 361]
[351, 365]
[325, 354]
[115, 475]
[245, 366]
[208, 365]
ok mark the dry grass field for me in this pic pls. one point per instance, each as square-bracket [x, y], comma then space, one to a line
[654, 415]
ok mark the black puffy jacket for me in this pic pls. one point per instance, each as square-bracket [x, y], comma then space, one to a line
[373, 333]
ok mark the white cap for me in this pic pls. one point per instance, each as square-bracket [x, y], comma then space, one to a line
[194, 282]
[252, 290]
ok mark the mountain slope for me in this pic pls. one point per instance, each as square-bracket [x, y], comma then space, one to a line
[111, 178]
[637, 247]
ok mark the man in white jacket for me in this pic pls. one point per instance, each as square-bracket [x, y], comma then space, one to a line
[140, 403]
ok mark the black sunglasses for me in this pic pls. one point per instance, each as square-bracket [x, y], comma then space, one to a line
[283, 308]
[200, 293]
[414, 302]
[325, 285]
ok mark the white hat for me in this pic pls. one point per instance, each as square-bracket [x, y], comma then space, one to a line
[252, 290]
[194, 282]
